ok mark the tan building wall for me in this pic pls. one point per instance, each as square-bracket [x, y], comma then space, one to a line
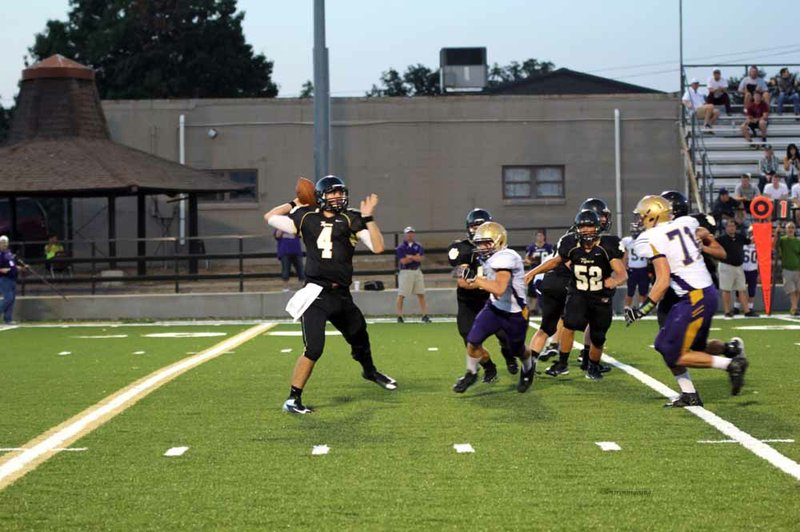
[430, 159]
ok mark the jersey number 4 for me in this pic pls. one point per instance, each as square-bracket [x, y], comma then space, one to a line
[324, 242]
[588, 278]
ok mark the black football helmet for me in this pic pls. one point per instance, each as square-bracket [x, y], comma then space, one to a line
[475, 218]
[587, 218]
[326, 185]
[600, 207]
[680, 207]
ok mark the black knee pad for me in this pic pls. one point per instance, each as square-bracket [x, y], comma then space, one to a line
[598, 338]
[312, 354]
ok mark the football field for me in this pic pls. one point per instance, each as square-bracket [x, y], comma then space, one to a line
[371, 459]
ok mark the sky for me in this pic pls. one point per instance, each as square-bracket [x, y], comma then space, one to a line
[636, 41]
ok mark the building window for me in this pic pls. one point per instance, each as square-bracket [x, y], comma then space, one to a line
[247, 178]
[533, 182]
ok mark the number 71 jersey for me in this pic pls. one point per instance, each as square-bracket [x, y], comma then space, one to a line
[590, 268]
[677, 242]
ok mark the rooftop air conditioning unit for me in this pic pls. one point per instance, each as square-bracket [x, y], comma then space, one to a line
[463, 69]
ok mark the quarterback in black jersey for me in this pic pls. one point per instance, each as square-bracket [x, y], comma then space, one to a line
[597, 270]
[462, 256]
[330, 233]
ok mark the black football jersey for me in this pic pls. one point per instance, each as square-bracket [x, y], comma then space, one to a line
[707, 221]
[461, 253]
[330, 243]
[590, 268]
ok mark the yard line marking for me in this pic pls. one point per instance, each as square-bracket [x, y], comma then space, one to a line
[8, 327]
[287, 350]
[100, 336]
[319, 450]
[16, 464]
[433, 349]
[64, 353]
[776, 440]
[176, 451]
[608, 445]
[58, 449]
[755, 446]
[138, 352]
[184, 335]
[462, 448]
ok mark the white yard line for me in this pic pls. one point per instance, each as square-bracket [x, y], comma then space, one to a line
[774, 440]
[16, 464]
[755, 446]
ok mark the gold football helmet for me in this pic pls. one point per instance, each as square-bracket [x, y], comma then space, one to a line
[489, 238]
[652, 210]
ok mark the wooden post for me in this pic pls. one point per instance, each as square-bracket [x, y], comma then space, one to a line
[194, 243]
[141, 234]
[112, 231]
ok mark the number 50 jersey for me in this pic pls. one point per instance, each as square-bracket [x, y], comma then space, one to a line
[591, 268]
[677, 242]
[330, 243]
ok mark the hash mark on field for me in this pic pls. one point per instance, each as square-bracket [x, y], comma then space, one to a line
[138, 352]
[433, 349]
[462, 448]
[608, 445]
[176, 451]
[776, 440]
[287, 350]
[319, 450]
[64, 353]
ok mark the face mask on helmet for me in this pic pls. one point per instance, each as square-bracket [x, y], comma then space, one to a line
[475, 219]
[587, 225]
[490, 237]
[651, 211]
[332, 194]
[600, 208]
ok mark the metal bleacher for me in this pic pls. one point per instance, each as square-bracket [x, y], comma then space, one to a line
[722, 156]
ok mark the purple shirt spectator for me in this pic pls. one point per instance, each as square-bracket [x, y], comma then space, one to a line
[536, 253]
[288, 245]
[7, 260]
[406, 248]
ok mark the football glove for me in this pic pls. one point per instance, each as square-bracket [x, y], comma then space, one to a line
[633, 314]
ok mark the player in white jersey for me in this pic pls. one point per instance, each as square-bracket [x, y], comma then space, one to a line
[506, 310]
[675, 248]
[750, 267]
[638, 277]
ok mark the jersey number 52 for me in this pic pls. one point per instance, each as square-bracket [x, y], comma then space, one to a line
[588, 278]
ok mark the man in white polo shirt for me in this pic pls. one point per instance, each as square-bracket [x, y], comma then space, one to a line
[696, 104]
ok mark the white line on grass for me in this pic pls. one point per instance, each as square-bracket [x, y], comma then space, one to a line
[176, 451]
[775, 440]
[7, 327]
[608, 445]
[40, 448]
[319, 450]
[462, 448]
[759, 448]
[58, 449]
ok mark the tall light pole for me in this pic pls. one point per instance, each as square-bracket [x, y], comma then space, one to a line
[322, 95]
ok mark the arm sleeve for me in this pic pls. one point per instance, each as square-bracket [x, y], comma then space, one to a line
[564, 246]
[643, 247]
[356, 221]
[284, 223]
[365, 237]
[296, 215]
[614, 247]
[400, 252]
[421, 251]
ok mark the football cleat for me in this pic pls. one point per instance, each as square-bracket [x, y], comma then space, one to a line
[736, 346]
[526, 379]
[557, 369]
[295, 406]
[489, 373]
[384, 381]
[548, 354]
[684, 400]
[426, 319]
[511, 365]
[465, 382]
[736, 371]
[593, 373]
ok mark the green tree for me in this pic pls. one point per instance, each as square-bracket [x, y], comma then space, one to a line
[515, 71]
[160, 48]
[417, 80]
[307, 91]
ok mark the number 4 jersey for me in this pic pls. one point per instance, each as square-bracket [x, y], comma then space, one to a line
[677, 242]
[330, 243]
[590, 268]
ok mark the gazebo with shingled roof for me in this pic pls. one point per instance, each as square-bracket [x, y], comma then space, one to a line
[59, 146]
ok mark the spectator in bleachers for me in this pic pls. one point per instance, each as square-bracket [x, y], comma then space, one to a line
[696, 104]
[787, 91]
[731, 274]
[776, 189]
[788, 247]
[768, 164]
[756, 119]
[718, 91]
[753, 84]
[745, 192]
[725, 208]
[794, 195]
[791, 165]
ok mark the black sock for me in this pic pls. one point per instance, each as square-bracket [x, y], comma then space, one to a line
[535, 354]
[585, 351]
[295, 393]
[487, 364]
[563, 357]
[365, 359]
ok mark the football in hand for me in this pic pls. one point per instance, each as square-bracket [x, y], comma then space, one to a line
[306, 192]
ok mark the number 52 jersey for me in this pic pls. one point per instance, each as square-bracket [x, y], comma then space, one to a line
[677, 242]
[590, 268]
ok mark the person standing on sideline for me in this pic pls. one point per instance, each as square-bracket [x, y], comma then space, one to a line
[731, 274]
[750, 267]
[638, 275]
[409, 279]
[789, 248]
[290, 253]
[536, 253]
[8, 280]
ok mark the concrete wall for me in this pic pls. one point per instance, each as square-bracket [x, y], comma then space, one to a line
[430, 159]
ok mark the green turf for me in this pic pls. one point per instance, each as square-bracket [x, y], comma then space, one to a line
[41, 388]
[392, 465]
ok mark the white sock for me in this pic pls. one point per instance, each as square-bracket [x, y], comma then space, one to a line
[720, 362]
[472, 364]
[527, 364]
[685, 382]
